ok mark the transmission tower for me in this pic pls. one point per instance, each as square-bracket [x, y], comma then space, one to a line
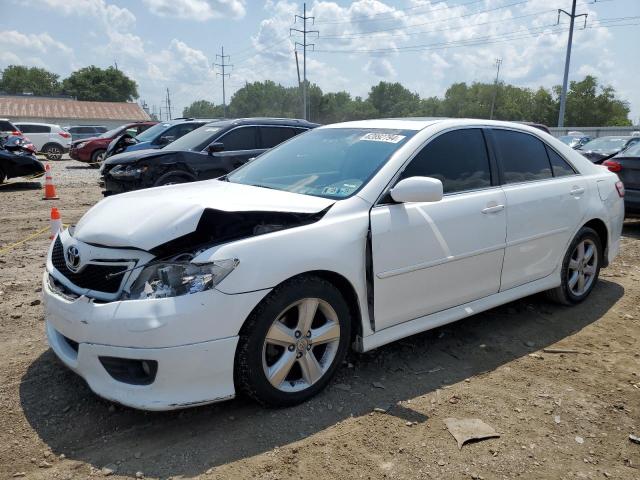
[563, 95]
[495, 87]
[223, 65]
[304, 46]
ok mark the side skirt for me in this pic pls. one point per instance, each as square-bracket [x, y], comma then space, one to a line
[434, 320]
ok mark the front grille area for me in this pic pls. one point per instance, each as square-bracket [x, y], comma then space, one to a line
[92, 276]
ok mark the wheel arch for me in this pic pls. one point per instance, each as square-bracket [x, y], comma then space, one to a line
[601, 229]
[344, 286]
[51, 144]
[177, 173]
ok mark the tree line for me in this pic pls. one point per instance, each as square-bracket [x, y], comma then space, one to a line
[90, 83]
[588, 103]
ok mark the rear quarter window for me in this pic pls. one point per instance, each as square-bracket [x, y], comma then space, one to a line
[559, 165]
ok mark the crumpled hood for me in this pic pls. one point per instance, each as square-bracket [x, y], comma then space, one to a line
[133, 156]
[146, 219]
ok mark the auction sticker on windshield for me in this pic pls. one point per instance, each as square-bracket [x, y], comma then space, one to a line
[383, 137]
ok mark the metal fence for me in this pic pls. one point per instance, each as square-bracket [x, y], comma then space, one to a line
[595, 132]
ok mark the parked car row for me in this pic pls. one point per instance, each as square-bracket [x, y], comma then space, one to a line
[209, 151]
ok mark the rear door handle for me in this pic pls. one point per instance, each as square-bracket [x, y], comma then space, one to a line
[577, 191]
[493, 209]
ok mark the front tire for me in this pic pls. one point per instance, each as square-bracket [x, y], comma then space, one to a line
[580, 268]
[97, 158]
[293, 342]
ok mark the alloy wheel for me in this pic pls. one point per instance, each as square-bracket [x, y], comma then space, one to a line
[583, 266]
[301, 344]
[54, 153]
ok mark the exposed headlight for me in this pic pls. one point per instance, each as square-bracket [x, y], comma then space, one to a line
[173, 279]
[127, 171]
[81, 144]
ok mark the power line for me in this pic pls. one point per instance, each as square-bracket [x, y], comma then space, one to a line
[391, 15]
[223, 65]
[538, 31]
[304, 46]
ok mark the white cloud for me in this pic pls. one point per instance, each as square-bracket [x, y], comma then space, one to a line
[38, 49]
[198, 10]
[116, 17]
[380, 68]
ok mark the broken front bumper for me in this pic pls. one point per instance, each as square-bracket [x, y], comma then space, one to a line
[187, 342]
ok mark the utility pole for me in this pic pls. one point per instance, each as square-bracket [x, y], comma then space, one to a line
[495, 87]
[299, 82]
[168, 105]
[304, 46]
[563, 95]
[223, 65]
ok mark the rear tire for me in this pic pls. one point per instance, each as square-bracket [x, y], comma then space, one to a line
[53, 152]
[580, 268]
[293, 342]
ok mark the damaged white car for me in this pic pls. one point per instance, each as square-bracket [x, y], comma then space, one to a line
[349, 236]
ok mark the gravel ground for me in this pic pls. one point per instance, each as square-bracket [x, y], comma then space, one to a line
[559, 415]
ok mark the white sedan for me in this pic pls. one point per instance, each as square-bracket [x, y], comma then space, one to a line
[349, 236]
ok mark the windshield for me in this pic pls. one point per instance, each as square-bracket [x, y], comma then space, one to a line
[328, 162]
[195, 140]
[632, 151]
[151, 133]
[570, 140]
[605, 144]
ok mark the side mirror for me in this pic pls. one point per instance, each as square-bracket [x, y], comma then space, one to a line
[417, 189]
[215, 147]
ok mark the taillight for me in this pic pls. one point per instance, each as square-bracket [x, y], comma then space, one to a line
[64, 134]
[17, 133]
[620, 189]
[612, 165]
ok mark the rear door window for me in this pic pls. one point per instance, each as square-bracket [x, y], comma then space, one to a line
[458, 158]
[523, 157]
[242, 138]
[272, 136]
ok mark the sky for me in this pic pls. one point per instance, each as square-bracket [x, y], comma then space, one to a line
[424, 44]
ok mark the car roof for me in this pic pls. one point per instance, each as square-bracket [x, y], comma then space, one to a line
[289, 122]
[38, 123]
[420, 123]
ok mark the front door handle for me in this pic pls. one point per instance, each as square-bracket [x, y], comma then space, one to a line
[577, 191]
[493, 209]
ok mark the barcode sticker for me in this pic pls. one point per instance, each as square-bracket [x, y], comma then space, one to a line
[383, 137]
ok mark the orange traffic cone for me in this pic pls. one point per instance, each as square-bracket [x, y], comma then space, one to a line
[49, 187]
[56, 223]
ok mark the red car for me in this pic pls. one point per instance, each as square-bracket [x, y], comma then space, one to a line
[91, 150]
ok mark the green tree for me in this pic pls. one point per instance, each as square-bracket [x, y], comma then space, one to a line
[589, 105]
[103, 85]
[16, 79]
[393, 100]
[203, 109]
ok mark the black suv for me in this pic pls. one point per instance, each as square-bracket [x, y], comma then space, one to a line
[210, 151]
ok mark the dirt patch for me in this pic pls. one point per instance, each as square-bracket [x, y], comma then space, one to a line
[559, 415]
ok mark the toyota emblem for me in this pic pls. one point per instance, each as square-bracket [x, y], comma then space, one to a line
[72, 258]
